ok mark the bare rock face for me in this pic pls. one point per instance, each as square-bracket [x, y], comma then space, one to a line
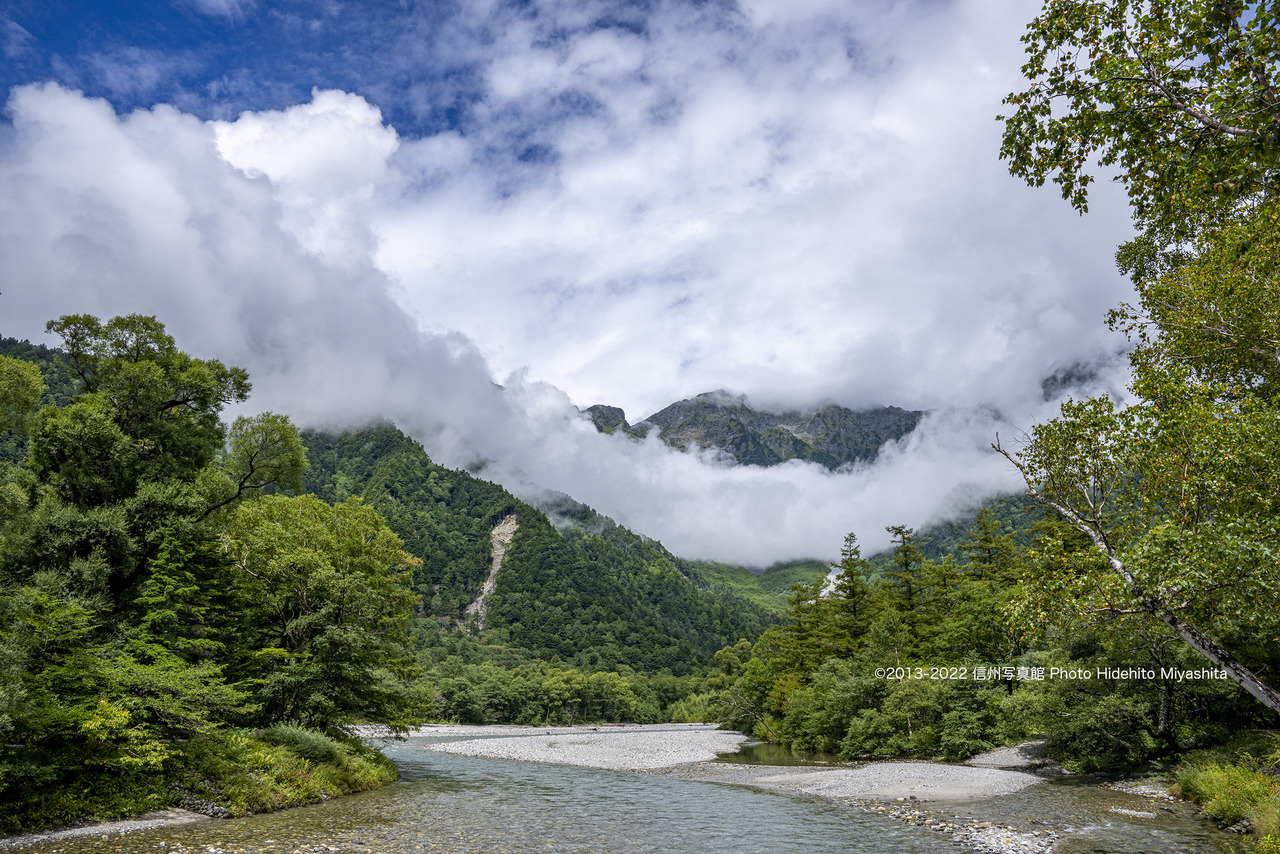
[499, 541]
[607, 418]
[831, 436]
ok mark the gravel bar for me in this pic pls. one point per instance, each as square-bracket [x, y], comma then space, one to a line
[877, 781]
[615, 749]
[146, 821]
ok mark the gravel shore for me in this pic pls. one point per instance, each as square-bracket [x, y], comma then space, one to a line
[612, 748]
[647, 748]
[146, 821]
[888, 781]
[916, 793]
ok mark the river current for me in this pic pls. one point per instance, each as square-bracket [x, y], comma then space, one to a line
[457, 804]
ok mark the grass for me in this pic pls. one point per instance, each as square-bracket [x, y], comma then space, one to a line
[1237, 782]
[281, 767]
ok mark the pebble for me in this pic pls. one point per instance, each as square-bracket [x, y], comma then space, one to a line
[983, 836]
[618, 750]
[1145, 788]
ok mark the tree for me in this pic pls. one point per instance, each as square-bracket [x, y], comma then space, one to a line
[266, 451]
[907, 561]
[1182, 98]
[850, 598]
[1178, 494]
[992, 555]
[164, 403]
[330, 590]
[137, 456]
[20, 388]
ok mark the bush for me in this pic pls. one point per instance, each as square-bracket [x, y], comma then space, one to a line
[61, 800]
[1111, 733]
[1230, 784]
[1229, 793]
[696, 708]
[250, 774]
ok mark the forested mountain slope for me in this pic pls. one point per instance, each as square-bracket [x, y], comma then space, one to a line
[595, 595]
[1013, 516]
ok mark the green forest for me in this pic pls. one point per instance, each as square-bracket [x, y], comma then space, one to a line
[196, 610]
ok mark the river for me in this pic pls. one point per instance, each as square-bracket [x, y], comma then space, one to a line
[458, 804]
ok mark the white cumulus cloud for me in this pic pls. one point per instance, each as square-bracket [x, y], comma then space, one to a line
[800, 201]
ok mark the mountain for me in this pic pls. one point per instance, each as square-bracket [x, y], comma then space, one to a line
[585, 591]
[831, 436]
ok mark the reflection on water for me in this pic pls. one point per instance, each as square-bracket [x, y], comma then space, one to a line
[447, 803]
[765, 753]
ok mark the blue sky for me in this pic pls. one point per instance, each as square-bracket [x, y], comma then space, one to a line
[395, 208]
[422, 64]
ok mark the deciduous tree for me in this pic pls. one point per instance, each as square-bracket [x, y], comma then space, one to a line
[1179, 494]
[1180, 99]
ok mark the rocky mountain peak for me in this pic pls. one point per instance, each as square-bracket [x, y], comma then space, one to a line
[830, 435]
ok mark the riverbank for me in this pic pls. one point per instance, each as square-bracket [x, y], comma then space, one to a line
[694, 747]
[106, 829]
[972, 805]
[223, 775]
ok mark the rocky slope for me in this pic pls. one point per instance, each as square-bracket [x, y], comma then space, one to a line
[831, 436]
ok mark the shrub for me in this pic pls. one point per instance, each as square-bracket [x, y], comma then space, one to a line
[1112, 732]
[1229, 793]
[695, 708]
[1269, 844]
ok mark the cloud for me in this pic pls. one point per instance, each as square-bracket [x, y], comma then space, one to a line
[139, 74]
[796, 201]
[222, 8]
[801, 201]
[16, 40]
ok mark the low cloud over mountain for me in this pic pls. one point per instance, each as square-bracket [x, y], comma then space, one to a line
[800, 203]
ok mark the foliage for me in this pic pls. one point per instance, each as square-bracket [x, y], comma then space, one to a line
[819, 681]
[768, 589]
[1176, 494]
[443, 516]
[329, 587]
[1236, 781]
[1180, 98]
[961, 664]
[58, 387]
[129, 642]
[20, 388]
[310, 744]
[247, 773]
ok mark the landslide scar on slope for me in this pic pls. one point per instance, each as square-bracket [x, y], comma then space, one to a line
[499, 541]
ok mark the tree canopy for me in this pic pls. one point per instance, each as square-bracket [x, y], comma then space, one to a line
[1176, 494]
[1181, 99]
[1180, 493]
[151, 594]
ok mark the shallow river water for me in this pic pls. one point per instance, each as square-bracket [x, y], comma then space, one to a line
[447, 803]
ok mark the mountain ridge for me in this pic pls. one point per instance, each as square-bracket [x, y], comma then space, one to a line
[831, 435]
